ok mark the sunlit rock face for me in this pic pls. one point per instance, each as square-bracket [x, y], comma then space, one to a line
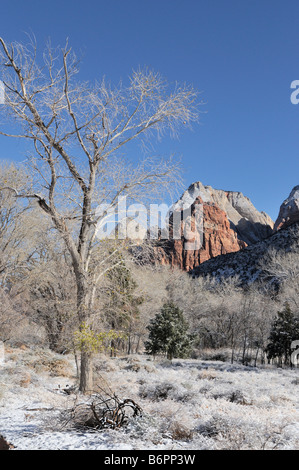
[250, 225]
[289, 210]
[230, 223]
[197, 244]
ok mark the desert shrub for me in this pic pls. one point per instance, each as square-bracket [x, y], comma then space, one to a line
[136, 365]
[42, 361]
[233, 396]
[165, 390]
[179, 432]
[222, 355]
[207, 374]
[157, 392]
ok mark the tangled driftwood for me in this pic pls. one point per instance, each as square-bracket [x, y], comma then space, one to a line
[103, 410]
[113, 413]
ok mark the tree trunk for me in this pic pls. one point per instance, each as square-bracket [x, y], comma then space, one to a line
[86, 366]
[86, 372]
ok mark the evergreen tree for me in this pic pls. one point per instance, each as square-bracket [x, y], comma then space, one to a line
[168, 333]
[285, 329]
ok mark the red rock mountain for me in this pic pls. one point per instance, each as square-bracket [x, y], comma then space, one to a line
[230, 223]
[194, 247]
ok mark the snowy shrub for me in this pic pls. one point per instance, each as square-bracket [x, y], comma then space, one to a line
[24, 379]
[209, 428]
[234, 396]
[207, 374]
[18, 376]
[156, 392]
[145, 427]
[2, 391]
[136, 365]
[166, 363]
[179, 432]
[106, 365]
[222, 355]
[45, 361]
[165, 390]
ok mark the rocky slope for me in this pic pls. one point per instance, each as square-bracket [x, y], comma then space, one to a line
[247, 264]
[289, 210]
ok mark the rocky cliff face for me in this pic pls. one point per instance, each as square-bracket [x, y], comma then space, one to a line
[250, 225]
[230, 223]
[233, 228]
[289, 210]
[199, 243]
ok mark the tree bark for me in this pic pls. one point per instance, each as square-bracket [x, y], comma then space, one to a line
[86, 365]
[86, 372]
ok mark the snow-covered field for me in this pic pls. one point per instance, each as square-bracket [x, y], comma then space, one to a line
[187, 404]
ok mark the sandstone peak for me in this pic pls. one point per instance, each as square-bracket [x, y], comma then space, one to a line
[194, 247]
[250, 225]
[289, 210]
[230, 223]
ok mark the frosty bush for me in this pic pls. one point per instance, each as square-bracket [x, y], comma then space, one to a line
[157, 392]
[234, 396]
[165, 390]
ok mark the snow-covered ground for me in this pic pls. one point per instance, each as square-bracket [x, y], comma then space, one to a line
[187, 404]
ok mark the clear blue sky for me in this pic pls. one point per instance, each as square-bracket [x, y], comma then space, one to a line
[241, 54]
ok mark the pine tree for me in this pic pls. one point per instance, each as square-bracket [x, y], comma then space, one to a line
[285, 329]
[168, 333]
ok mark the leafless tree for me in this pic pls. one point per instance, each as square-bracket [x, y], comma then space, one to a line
[223, 315]
[50, 286]
[78, 133]
[282, 269]
[16, 231]
[17, 239]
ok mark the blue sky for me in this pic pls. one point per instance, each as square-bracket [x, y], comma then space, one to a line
[242, 55]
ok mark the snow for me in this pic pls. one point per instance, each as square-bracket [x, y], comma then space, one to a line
[187, 404]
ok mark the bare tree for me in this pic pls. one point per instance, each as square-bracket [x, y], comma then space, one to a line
[78, 132]
[16, 231]
[223, 315]
[17, 237]
[51, 285]
[282, 269]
